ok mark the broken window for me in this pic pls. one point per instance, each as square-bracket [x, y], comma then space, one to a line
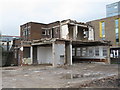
[26, 32]
[104, 51]
[85, 34]
[91, 53]
[43, 32]
[26, 52]
[73, 51]
[96, 51]
[84, 52]
[48, 32]
[78, 51]
[56, 30]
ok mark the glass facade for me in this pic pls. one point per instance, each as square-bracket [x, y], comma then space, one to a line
[117, 31]
[8, 38]
[102, 30]
[113, 9]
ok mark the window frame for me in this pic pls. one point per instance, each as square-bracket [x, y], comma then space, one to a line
[117, 31]
[102, 29]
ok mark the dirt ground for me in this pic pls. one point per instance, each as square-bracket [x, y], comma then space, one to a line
[77, 75]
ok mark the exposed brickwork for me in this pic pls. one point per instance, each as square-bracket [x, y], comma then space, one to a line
[36, 30]
[109, 28]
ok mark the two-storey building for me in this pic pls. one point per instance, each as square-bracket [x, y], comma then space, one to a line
[59, 43]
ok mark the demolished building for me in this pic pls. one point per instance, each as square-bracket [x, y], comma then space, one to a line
[60, 43]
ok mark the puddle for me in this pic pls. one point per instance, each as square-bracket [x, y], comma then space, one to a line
[71, 76]
[14, 79]
[9, 69]
[37, 71]
[26, 75]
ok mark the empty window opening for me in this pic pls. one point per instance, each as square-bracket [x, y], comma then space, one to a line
[70, 34]
[45, 31]
[82, 33]
[85, 33]
[26, 52]
[56, 30]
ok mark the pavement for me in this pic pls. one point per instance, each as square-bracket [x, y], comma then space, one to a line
[42, 76]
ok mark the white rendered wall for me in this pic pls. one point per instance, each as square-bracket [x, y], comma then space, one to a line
[44, 55]
[64, 31]
[58, 54]
[91, 34]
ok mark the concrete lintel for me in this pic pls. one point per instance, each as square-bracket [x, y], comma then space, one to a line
[40, 44]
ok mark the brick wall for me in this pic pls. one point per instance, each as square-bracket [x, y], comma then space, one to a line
[109, 28]
[36, 30]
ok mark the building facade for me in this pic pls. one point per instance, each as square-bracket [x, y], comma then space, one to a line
[6, 46]
[59, 43]
[107, 29]
[113, 9]
[34, 31]
[7, 41]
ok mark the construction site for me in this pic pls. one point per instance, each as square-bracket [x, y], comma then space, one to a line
[62, 54]
[79, 75]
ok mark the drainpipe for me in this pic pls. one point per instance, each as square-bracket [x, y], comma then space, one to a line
[7, 44]
[60, 30]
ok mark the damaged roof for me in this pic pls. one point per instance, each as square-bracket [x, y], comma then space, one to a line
[63, 21]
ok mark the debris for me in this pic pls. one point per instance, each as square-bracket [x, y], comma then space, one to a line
[37, 71]
[26, 75]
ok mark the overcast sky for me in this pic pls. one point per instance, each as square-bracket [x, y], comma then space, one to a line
[14, 13]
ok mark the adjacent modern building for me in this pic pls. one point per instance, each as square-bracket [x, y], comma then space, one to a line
[107, 29]
[7, 41]
[113, 9]
[6, 46]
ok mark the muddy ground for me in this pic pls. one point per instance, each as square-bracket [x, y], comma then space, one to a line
[82, 75]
